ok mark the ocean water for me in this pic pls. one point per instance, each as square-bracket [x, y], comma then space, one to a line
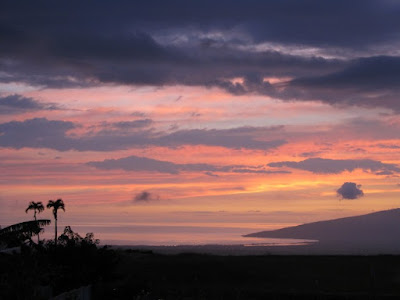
[175, 235]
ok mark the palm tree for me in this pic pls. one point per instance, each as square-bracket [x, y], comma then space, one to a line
[37, 207]
[56, 205]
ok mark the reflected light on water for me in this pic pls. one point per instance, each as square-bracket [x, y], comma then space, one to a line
[174, 235]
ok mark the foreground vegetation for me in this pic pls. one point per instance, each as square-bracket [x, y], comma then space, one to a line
[48, 268]
[134, 274]
[194, 276]
[74, 262]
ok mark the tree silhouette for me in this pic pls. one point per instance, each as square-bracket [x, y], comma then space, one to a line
[56, 205]
[37, 207]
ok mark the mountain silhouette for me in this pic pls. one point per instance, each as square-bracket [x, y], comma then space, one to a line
[379, 230]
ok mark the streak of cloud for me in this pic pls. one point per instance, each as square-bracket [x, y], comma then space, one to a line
[13, 104]
[136, 163]
[335, 166]
[43, 133]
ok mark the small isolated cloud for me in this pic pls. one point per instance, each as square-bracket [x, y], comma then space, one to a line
[350, 191]
[145, 197]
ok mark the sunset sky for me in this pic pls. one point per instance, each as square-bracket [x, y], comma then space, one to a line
[199, 113]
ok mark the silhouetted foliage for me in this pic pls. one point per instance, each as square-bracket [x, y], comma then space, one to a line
[71, 239]
[75, 262]
[137, 274]
[17, 234]
[196, 276]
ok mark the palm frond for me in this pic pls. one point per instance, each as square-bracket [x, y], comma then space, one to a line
[50, 204]
[28, 226]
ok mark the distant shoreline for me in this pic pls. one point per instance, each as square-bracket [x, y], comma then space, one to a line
[314, 249]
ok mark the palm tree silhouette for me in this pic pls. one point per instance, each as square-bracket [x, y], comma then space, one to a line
[37, 207]
[56, 205]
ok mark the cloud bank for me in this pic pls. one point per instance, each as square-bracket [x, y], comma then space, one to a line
[315, 45]
[44, 133]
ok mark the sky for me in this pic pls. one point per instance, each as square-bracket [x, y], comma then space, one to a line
[255, 114]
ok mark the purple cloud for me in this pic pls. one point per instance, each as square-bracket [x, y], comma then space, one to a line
[136, 163]
[335, 166]
[13, 104]
[350, 191]
[145, 196]
[43, 133]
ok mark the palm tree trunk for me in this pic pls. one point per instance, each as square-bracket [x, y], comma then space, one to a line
[38, 240]
[55, 237]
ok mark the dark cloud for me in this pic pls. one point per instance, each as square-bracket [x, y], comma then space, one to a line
[123, 125]
[368, 74]
[258, 171]
[335, 166]
[43, 133]
[292, 22]
[208, 44]
[211, 174]
[13, 104]
[310, 154]
[133, 124]
[385, 172]
[350, 191]
[370, 82]
[136, 163]
[36, 133]
[241, 137]
[126, 52]
[367, 82]
[145, 197]
[145, 61]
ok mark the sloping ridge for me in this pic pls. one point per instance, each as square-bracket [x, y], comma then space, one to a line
[381, 227]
